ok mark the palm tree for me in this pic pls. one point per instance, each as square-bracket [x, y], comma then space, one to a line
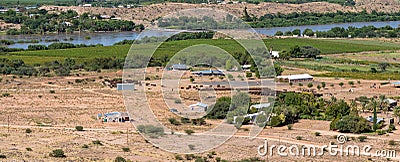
[383, 105]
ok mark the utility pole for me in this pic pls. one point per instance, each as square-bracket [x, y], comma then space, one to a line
[8, 123]
[127, 137]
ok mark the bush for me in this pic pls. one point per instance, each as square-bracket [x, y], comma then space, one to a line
[178, 157]
[380, 132]
[85, 146]
[119, 159]
[191, 147]
[27, 130]
[189, 131]
[97, 142]
[126, 149]
[57, 153]
[191, 80]
[185, 120]
[290, 127]
[28, 149]
[353, 124]
[392, 142]
[52, 91]
[249, 75]
[317, 134]
[362, 138]
[174, 121]
[6, 95]
[151, 130]
[178, 101]
[3, 156]
[79, 128]
[299, 137]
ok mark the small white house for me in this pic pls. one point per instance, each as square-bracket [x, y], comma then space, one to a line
[116, 117]
[198, 107]
[296, 78]
[125, 86]
[87, 5]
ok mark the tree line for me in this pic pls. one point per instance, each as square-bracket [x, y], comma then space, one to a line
[308, 18]
[40, 22]
[58, 68]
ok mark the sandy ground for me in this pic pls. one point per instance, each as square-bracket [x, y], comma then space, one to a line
[31, 105]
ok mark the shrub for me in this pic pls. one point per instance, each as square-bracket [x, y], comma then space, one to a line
[178, 157]
[249, 75]
[362, 138]
[85, 146]
[6, 95]
[57, 153]
[191, 80]
[392, 142]
[299, 137]
[126, 149]
[380, 132]
[317, 134]
[52, 91]
[151, 130]
[290, 127]
[28, 149]
[79, 128]
[178, 101]
[97, 142]
[189, 131]
[119, 159]
[27, 130]
[174, 121]
[191, 147]
[185, 120]
[3, 156]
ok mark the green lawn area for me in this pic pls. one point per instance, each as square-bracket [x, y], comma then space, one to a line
[169, 48]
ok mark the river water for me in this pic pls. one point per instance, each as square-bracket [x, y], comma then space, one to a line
[109, 38]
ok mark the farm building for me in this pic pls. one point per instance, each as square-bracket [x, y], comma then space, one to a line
[125, 86]
[260, 106]
[392, 103]
[296, 78]
[378, 120]
[115, 117]
[199, 106]
[209, 73]
[396, 84]
[246, 67]
[179, 67]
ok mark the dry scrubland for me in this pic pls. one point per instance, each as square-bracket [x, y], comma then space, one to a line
[32, 105]
[147, 14]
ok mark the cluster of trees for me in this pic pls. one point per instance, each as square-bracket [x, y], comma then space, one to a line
[340, 32]
[40, 22]
[206, 22]
[363, 32]
[18, 67]
[307, 18]
[299, 52]
[59, 46]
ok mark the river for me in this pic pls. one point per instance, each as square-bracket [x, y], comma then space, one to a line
[109, 38]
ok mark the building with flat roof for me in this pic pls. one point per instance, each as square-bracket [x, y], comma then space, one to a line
[296, 78]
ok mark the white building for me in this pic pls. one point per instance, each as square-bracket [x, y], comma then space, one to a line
[296, 78]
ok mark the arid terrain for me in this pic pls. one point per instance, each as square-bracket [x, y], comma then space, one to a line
[148, 15]
[52, 106]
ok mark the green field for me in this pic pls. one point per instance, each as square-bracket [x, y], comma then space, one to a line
[169, 48]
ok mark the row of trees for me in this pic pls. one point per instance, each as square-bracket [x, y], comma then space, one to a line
[308, 18]
[299, 52]
[18, 67]
[40, 22]
[340, 32]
